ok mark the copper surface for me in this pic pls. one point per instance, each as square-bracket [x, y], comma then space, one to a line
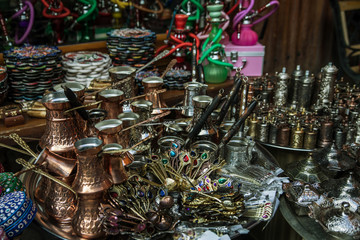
[152, 84]
[61, 130]
[325, 133]
[90, 177]
[60, 202]
[61, 166]
[87, 221]
[108, 130]
[283, 135]
[111, 99]
[113, 163]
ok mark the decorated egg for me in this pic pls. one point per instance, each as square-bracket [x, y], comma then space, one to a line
[16, 213]
[10, 183]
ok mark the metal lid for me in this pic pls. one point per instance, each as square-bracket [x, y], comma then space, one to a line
[330, 68]
[122, 70]
[283, 75]
[298, 72]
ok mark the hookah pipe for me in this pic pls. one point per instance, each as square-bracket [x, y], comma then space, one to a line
[186, 9]
[86, 17]
[180, 25]
[28, 5]
[244, 29]
[203, 35]
[58, 13]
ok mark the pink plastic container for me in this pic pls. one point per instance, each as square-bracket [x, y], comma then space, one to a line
[254, 56]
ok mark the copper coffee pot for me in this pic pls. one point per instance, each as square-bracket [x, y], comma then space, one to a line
[61, 131]
[128, 119]
[114, 163]
[60, 202]
[108, 130]
[57, 164]
[123, 78]
[151, 85]
[90, 183]
[111, 99]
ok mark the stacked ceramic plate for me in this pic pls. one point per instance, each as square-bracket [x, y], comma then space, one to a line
[3, 84]
[84, 67]
[131, 47]
[16, 213]
[175, 79]
[32, 70]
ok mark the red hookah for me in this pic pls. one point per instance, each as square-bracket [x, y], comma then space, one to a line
[57, 13]
[177, 41]
[242, 24]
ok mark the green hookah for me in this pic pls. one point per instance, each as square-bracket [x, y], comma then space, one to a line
[216, 71]
[90, 12]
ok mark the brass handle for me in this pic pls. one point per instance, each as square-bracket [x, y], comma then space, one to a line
[34, 168]
[22, 143]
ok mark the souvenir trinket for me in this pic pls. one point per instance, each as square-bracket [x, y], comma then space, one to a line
[16, 213]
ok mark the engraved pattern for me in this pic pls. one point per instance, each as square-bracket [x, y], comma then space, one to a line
[61, 131]
[42, 189]
[87, 221]
[60, 201]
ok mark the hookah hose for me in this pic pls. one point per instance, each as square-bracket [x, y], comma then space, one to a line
[120, 3]
[31, 21]
[172, 37]
[199, 9]
[56, 10]
[203, 36]
[239, 16]
[207, 50]
[161, 8]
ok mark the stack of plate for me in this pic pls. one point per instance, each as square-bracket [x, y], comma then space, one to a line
[131, 47]
[3, 84]
[32, 70]
[175, 79]
[84, 67]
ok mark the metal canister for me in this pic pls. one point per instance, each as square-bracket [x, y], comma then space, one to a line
[283, 135]
[310, 138]
[273, 129]
[253, 124]
[294, 86]
[357, 135]
[317, 84]
[325, 133]
[339, 138]
[263, 130]
[305, 90]
[350, 135]
[281, 91]
[297, 137]
[326, 93]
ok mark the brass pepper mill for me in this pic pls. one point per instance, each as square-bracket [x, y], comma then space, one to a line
[326, 92]
[297, 137]
[305, 90]
[61, 130]
[90, 183]
[152, 84]
[111, 99]
[310, 138]
[253, 124]
[339, 137]
[283, 135]
[281, 91]
[325, 132]
[263, 130]
[294, 87]
[273, 129]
